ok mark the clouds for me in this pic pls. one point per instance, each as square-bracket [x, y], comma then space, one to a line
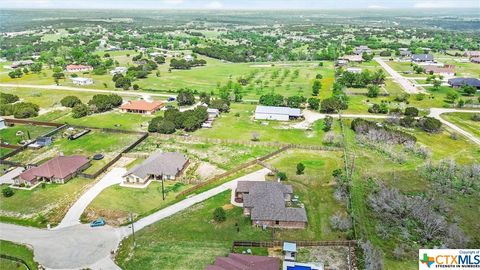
[445, 4]
[214, 5]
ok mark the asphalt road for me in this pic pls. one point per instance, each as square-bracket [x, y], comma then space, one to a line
[404, 83]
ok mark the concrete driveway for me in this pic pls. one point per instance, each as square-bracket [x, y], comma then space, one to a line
[72, 217]
[404, 83]
[8, 177]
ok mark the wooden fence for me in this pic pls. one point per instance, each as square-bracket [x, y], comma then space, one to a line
[231, 172]
[243, 142]
[32, 122]
[270, 244]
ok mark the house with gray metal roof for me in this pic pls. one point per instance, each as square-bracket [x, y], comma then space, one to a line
[159, 166]
[276, 113]
[459, 82]
[269, 204]
[422, 58]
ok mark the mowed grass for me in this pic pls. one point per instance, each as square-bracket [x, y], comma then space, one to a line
[464, 121]
[315, 189]
[40, 206]
[116, 202]
[17, 251]
[189, 239]
[9, 134]
[230, 126]
[112, 119]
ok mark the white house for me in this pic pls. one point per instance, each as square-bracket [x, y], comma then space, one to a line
[276, 113]
[2, 123]
[354, 70]
[82, 81]
[189, 58]
[119, 70]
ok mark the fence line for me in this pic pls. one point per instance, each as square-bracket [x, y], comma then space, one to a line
[346, 243]
[231, 172]
[32, 122]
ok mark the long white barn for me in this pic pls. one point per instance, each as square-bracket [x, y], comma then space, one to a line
[277, 113]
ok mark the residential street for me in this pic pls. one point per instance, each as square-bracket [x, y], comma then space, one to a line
[404, 83]
[71, 246]
[72, 217]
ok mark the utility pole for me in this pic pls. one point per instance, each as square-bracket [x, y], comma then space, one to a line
[133, 229]
[163, 191]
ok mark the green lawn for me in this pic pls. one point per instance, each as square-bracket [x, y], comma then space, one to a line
[116, 202]
[92, 143]
[18, 251]
[8, 135]
[40, 206]
[229, 126]
[114, 120]
[464, 120]
[190, 239]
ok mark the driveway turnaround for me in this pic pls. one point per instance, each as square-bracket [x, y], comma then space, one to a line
[72, 217]
[437, 112]
[404, 83]
[80, 246]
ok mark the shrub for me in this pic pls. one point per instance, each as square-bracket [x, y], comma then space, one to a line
[300, 168]
[373, 91]
[430, 124]
[7, 192]
[185, 97]
[70, 101]
[80, 110]
[282, 176]
[476, 117]
[411, 111]
[8, 98]
[313, 103]
[219, 215]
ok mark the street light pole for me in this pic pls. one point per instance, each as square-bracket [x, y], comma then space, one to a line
[133, 229]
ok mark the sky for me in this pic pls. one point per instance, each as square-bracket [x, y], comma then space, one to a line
[239, 4]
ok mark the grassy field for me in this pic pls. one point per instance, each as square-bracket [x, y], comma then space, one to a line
[241, 127]
[40, 206]
[115, 203]
[287, 78]
[8, 135]
[112, 119]
[372, 166]
[464, 120]
[18, 251]
[189, 239]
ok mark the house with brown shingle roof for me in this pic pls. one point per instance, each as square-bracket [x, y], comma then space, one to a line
[141, 106]
[245, 262]
[269, 204]
[58, 170]
[78, 68]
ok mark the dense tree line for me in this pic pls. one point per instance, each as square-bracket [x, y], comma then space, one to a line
[173, 119]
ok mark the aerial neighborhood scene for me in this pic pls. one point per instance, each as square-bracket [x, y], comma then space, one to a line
[240, 135]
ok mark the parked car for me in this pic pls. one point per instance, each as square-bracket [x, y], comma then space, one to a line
[170, 99]
[98, 222]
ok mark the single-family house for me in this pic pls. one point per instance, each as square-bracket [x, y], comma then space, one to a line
[405, 53]
[277, 113]
[341, 63]
[244, 262]
[266, 204]
[2, 123]
[189, 58]
[141, 106]
[475, 60]
[352, 58]
[459, 82]
[155, 54]
[446, 70]
[423, 58]
[119, 70]
[78, 68]
[361, 49]
[21, 63]
[82, 81]
[159, 166]
[354, 70]
[57, 170]
[470, 54]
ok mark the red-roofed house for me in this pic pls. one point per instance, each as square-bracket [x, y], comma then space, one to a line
[78, 68]
[245, 262]
[447, 70]
[57, 170]
[141, 106]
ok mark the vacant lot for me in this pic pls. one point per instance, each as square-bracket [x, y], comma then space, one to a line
[113, 120]
[464, 120]
[25, 132]
[42, 205]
